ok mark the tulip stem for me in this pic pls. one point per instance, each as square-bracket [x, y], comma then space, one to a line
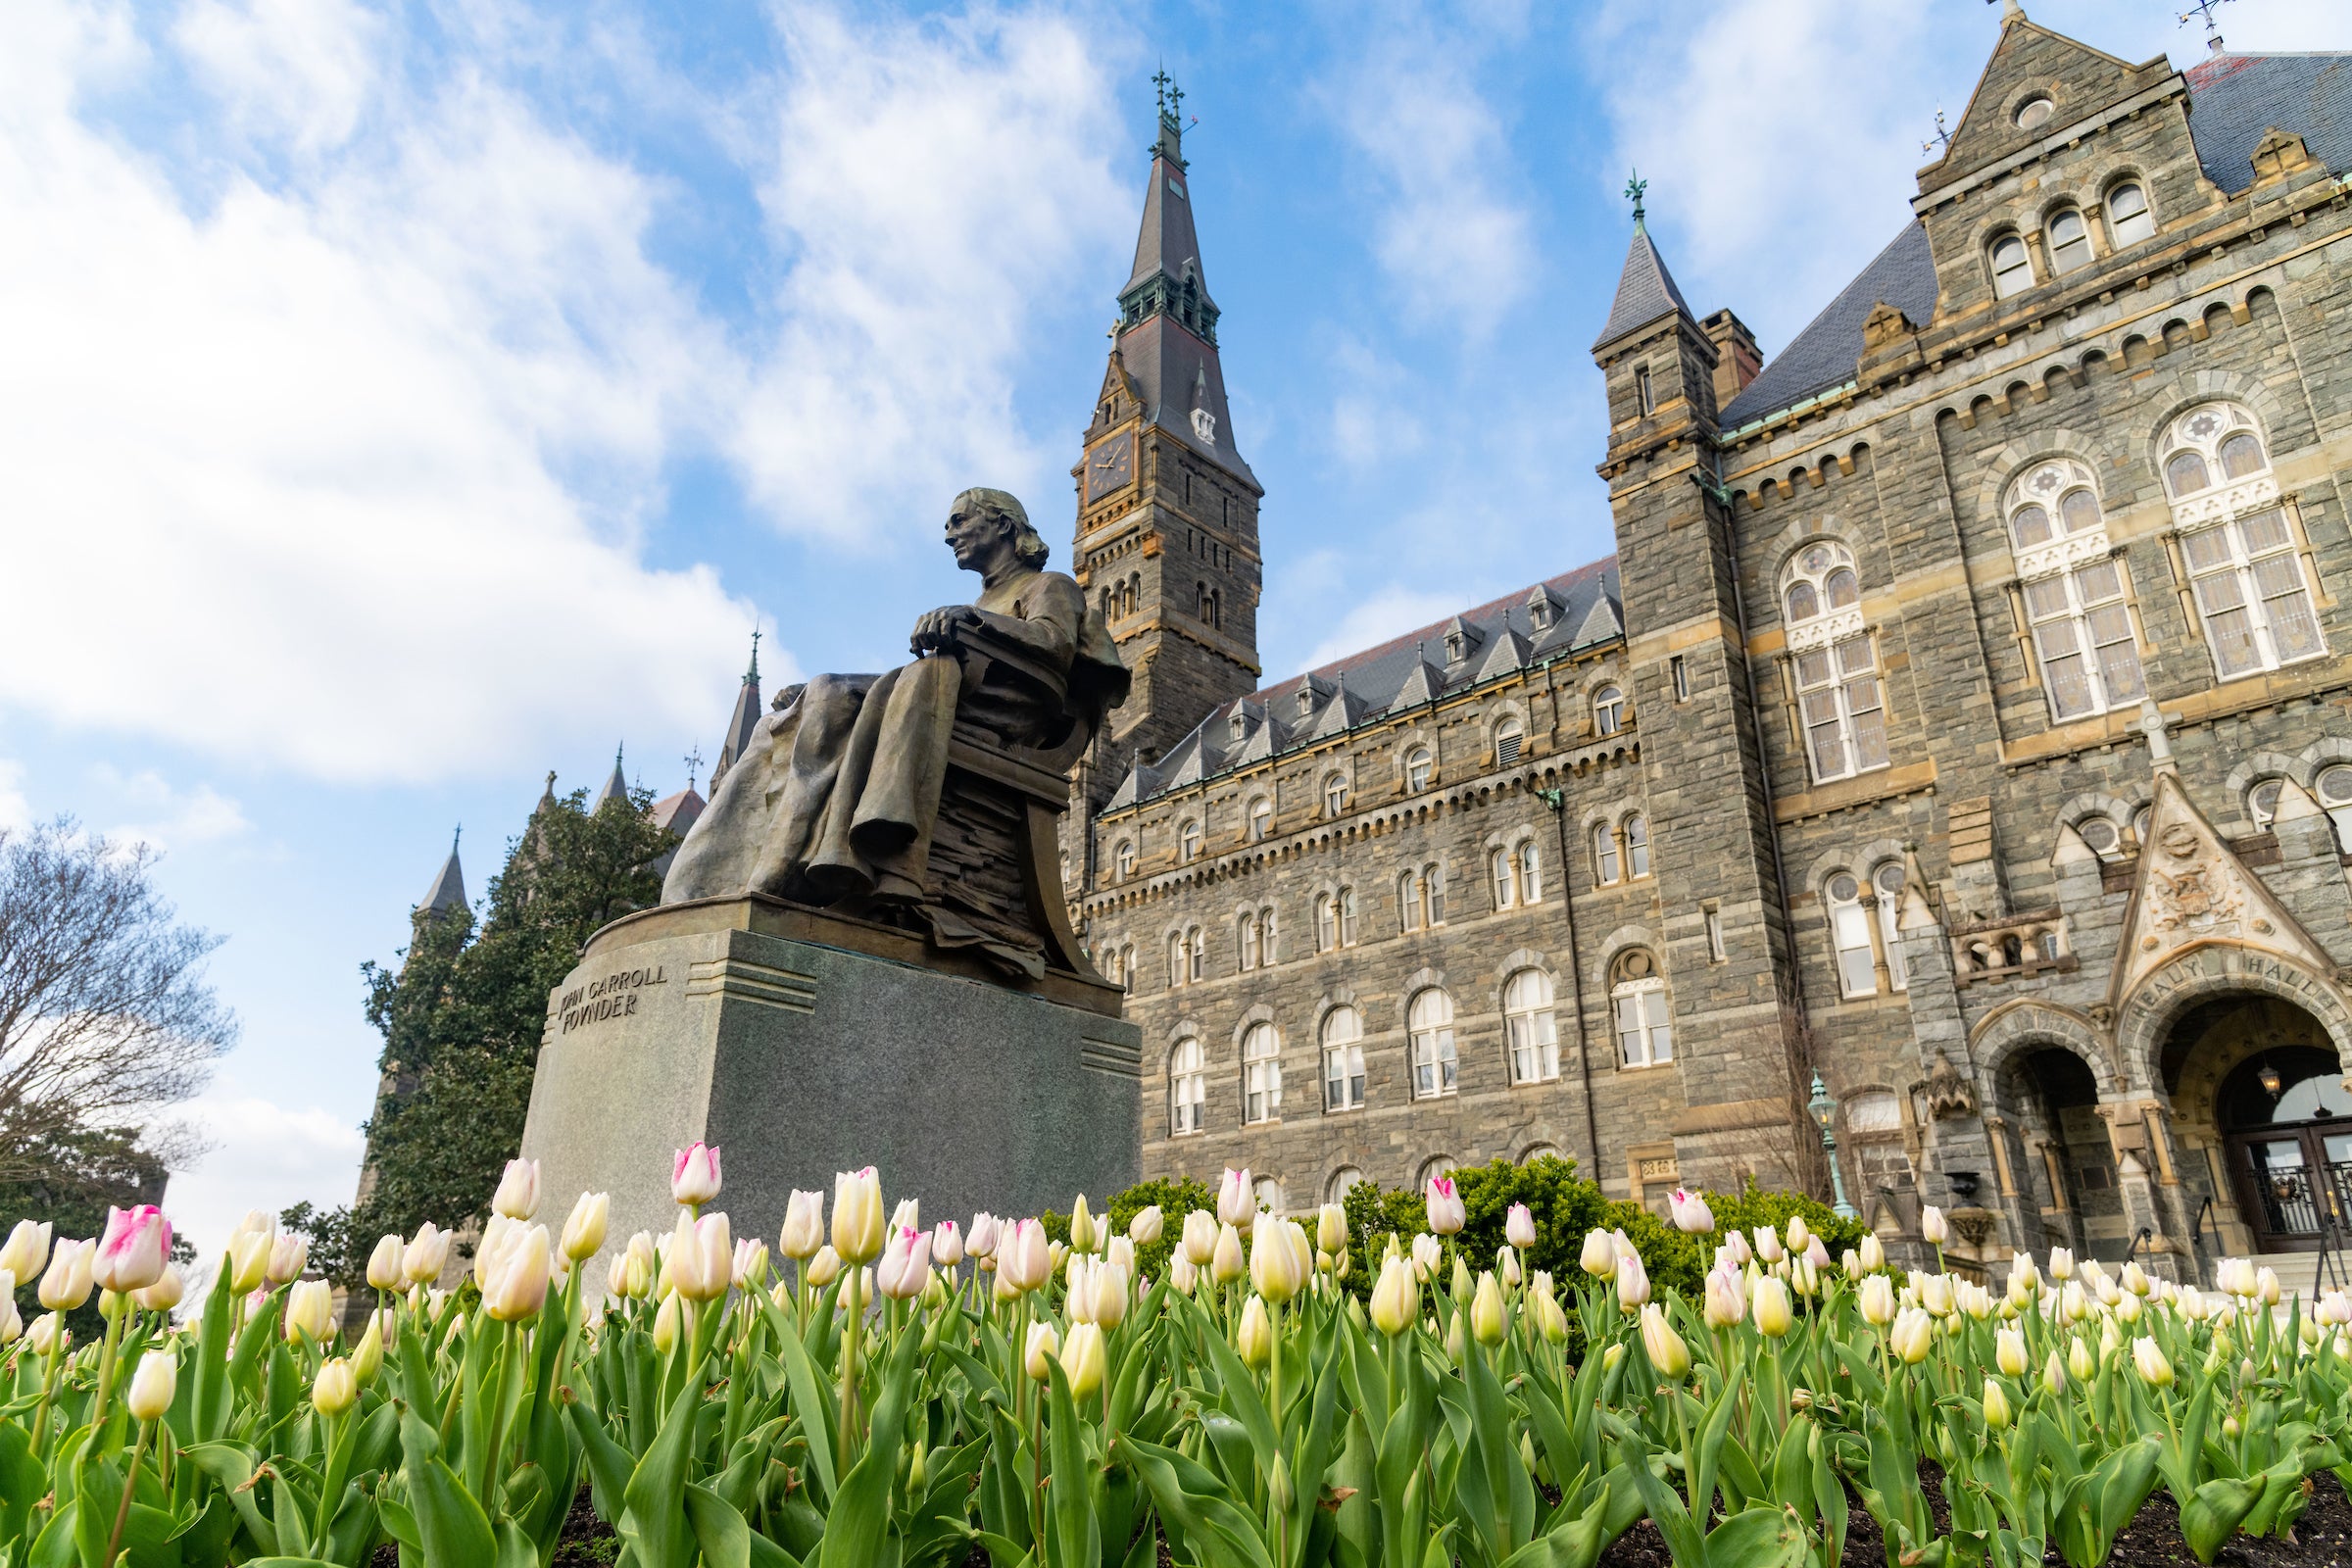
[114, 1308]
[57, 1345]
[129, 1484]
[849, 1374]
[497, 1394]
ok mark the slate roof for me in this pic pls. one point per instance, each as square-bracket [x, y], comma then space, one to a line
[1499, 636]
[1646, 290]
[448, 890]
[615, 788]
[2232, 100]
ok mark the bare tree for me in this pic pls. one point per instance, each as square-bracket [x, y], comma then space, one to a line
[105, 1017]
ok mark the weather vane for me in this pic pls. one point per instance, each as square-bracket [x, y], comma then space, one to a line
[1942, 136]
[2204, 9]
[1634, 185]
[694, 763]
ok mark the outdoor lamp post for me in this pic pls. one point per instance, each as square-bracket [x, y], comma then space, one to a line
[1824, 1110]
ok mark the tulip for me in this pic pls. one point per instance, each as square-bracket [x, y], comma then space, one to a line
[1144, 1227]
[1600, 1255]
[1486, 1313]
[1996, 1405]
[1200, 1236]
[311, 1311]
[1427, 1255]
[701, 1257]
[1771, 1308]
[1849, 1264]
[584, 1230]
[1519, 1227]
[518, 1286]
[804, 1226]
[1913, 1333]
[857, 1215]
[694, 1175]
[153, 1385]
[66, 1284]
[1043, 1346]
[1769, 1249]
[1106, 1285]
[2266, 1285]
[1237, 1200]
[1724, 1304]
[1878, 1300]
[1799, 1233]
[1632, 1279]
[1874, 1251]
[1228, 1263]
[384, 1264]
[132, 1250]
[2154, 1369]
[981, 1240]
[49, 1333]
[26, 1253]
[1934, 1226]
[427, 1253]
[2062, 1263]
[517, 1195]
[1445, 1205]
[906, 1264]
[2053, 1375]
[947, 1243]
[666, 1324]
[622, 1277]
[750, 1264]
[1550, 1320]
[1023, 1258]
[1082, 1360]
[1507, 1264]
[1085, 1235]
[1665, 1349]
[2127, 1309]
[335, 1390]
[1182, 1275]
[824, 1267]
[1331, 1229]
[368, 1356]
[1254, 1337]
[289, 1256]
[1396, 1296]
[1278, 1267]
[1973, 1298]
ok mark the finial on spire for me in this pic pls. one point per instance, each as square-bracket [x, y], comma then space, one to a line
[751, 675]
[1942, 137]
[455, 837]
[694, 763]
[2213, 30]
[1160, 82]
[1635, 187]
[2012, 11]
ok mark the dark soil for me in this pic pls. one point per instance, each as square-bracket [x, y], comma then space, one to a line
[586, 1541]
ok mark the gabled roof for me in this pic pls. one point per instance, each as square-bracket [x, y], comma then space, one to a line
[680, 812]
[2032, 60]
[2233, 99]
[1824, 355]
[1389, 678]
[1646, 290]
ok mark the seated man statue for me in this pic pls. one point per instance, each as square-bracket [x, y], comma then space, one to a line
[836, 798]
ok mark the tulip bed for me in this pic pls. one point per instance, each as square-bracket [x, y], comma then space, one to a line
[889, 1394]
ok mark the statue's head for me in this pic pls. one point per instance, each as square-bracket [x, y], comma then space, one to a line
[1006, 511]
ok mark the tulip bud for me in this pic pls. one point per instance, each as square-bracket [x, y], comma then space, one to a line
[1280, 1490]
[906, 1264]
[1600, 1255]
[1427, 1255]
[66, 1284]
[1254, 1338]
[1082, 1360]
[1771, 1308]
[1144, 1228]
[165, 1294]
[1237, 1200]
[1024, 1257]
[1878, 1300]
[1934, 1226]
[1486, 1313]
[584, 1230]
[426, 1254]
[1632, 1279]
[1280, 1260]
[1200, 1237]
[1911, 1335]
[311, 1311]
[517, 1195]
[2127, 1309]
[289, 1256]
[384, 1264]
[1396, 1296]
[701, 1257]
[858, 1215]
[1228, 1263]
[2053, 1375]
[1996, 1405]
[666, 1324]
[1507, 1264]
[2009, 1351]
[1085, 1234]
[1874, 1253]
[750, 1264]
[2266, 1285]
[947, 1243]
[1724, 1301]
[517, 1286]
[368, 1356]
[2062, 1263]
[1331, 1229]
[694, 1178]
[1849, 1264]
[824, 1267]
[2154, 1369]
[133, 1250]
[1183, 1276]
[2135, 1279]
[1665, 1349]
[804, 1226]
[48, 1334]
[153, 1385]
[1550, 1320]
[1519, 1226]
[1043, 1346]
[1122, 1252]
[26, 1253]
[1058, 1260]
[1445, 1205]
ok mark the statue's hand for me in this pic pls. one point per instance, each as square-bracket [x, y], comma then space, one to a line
[936, 631]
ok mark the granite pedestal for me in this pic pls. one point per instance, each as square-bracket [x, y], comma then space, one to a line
[800, 1045]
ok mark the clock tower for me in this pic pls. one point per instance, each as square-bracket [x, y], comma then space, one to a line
[1168, 511]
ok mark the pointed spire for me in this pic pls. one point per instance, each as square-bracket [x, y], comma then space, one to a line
[741, 722]
[1646, 290]
[616, 787]
[448, 890]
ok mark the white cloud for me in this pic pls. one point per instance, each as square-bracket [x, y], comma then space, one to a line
[354, 458]
[1384, 612]
[301, 70]
[264, 1156]
[929, 180]
[168, 817]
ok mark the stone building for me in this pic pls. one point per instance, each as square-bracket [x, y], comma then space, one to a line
[1966, 717]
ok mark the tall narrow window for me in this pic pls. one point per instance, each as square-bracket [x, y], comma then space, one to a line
[1528, 1023]
[1408, 901]
[1888, 880]
[1507, 736]
[1433, 895]
[2070, 241]
[1335, 795]
[1637, 998]
[1196, 955]
[1643, 394]
[1342, 1059]
[1417, 770]
[1270, 955]
[2245, 570]
[1682, 678]
[1347, 918]
[1262, 820]
[1250, 940]
[1127, 971]
[2129, 221]
[1636, 845]
[2333, 787]
[1190, 839]
[2079, 613]
[1114, 970]
[1261, 1073]
[1717, 951]
[1604, 854]
[1531, 873]
[1609, 711]
[1125, 859]
[1506, 878]
[1429, 1026]
[1850, 933]
[1176, 959]
[1188, 1086]
[2011, 268]
[1327, 922]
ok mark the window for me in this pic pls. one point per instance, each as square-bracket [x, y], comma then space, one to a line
[2245, 570]
[1506, 878]
[1717, 952]
[2262, 803]
[1531, 873]
[1342, 1182]
[1335, 795]
[1261, 1073]
[1408, 901]
[1643, 394]
[1176, 959]
[1888, 880]
[1269, 1196]
[2034, 113]
[2079, 613]
[1507, 736]
[1604, 855]
[1190, 839]
[1417, 770]
[1528, 1023]
[2102, 835]
[1347, 918]
[1252, 954]
[1265, 935]
[1342, 1059]
[1843, 714]
[2012, 266]
[1195, 953]
[1125, 859]
[1682, 678]
[2140, 825]
[1849, 934]
[2333, 787]
[1113, 969]
[1609, 711]
[1188, 1086]
[1429, 1024]
[1327, 922]
[1262, 820]
[1636, 845]
[1433, 895]
[2070, 241]
[1644, 1034]
[2129, 221]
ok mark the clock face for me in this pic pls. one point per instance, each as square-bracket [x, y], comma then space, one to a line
[1109, 467]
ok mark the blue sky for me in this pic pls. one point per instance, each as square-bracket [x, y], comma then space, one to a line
[406, 400]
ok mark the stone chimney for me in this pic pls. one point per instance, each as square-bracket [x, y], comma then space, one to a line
[1737, 360]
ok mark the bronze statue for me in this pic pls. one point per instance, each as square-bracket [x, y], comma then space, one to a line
[919, 797]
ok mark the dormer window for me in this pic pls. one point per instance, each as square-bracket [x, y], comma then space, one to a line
[1237, 725]
[1539, 612]
[2070, 241]
[2012, 266]
[1457, 648]
[2034, 113]
[1306, 701]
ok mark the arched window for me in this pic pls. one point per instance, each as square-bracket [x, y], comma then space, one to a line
[1327, 922]
[1888, 880]
[1189, 838]
[1417, 770]
[1188, 1086]
[1605, 865]
[1262, 820]
[1196, 955]
[1507, 737]
[1343, 1181]
[1265, 935]
[2101, 834]
[1114, 968]
[2333, 787]
[2012, 266]
[2070, 241]
[1249, 937]
[1176, 963]
[1261, 1073]
[1335, 795]
[2140, 825]
[1837, 666]
[2129, 221]
[2245, 570]
[1269, 1196]
[1609, 711]
[1429, 1026]
[1506, 872]
[1347, 918]
[1850, 933]
[2081, 614]
[1342, 1059]
[1124, 858]
[1408, 901]
[2262, 803]
[1528, 1022]
[1637, 997]
[1531, 873]
[1636, 845]
[1433, 895]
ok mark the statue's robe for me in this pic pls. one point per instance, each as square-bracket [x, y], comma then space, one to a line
[837, 794]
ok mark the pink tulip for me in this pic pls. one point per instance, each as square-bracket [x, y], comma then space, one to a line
[133, 1251]
[1691, 1216]
[1519, 1227]
[1632, 1279]
[1237, 1200]
[906, 1264]
[981, 1240]
[947, 1243]
[694, 1179]
[1445, 1213]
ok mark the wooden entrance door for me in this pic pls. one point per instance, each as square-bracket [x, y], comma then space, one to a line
[2294, 1183]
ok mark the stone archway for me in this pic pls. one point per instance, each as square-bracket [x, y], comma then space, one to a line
[2043, 1074]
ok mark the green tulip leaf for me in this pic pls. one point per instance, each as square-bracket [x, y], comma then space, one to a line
[451, 1527]
[2212, 1515]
